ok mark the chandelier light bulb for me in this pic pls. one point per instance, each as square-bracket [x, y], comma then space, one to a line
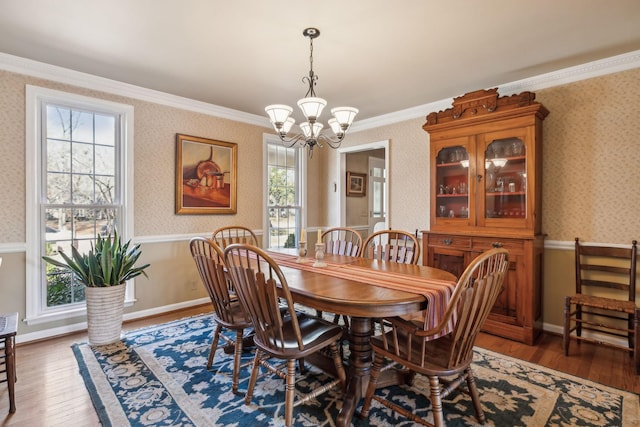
[311, 131]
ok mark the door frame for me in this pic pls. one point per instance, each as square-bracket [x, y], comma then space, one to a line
[342, 173]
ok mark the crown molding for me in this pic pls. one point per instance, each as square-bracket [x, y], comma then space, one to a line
[576, 73]
[88, 81]
[32, 68]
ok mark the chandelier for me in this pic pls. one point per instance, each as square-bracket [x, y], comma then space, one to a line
[311, 106]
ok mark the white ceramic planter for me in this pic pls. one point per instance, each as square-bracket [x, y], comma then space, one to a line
[105, 307]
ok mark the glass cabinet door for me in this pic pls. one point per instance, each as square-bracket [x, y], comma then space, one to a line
[504, 161]
[452, 184]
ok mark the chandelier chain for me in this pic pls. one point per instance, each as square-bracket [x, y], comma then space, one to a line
[312, 79]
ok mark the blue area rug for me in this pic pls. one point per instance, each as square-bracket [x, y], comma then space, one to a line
[156, 376]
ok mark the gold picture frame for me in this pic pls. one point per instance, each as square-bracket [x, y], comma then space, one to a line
[356, 184]
[206, 176]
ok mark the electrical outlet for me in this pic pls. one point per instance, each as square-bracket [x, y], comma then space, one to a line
[194, 284]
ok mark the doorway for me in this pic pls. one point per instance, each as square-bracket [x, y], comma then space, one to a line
[362, 213]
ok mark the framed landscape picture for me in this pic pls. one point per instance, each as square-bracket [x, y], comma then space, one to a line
[356, 184]
[206, 176]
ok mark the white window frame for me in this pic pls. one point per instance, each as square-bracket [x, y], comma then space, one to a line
[302, 185]
[36, 309]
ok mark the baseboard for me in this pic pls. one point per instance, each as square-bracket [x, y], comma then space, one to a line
[82, 326]
[608, 339]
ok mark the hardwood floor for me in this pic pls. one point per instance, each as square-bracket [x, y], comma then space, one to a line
[50, 391]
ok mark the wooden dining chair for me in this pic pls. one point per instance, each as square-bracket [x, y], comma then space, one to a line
[605, 298]
[392, 245]
[8, 331]
[342, 241]
[279, 333]
[228, 312]
[228, 235]
[446, 360]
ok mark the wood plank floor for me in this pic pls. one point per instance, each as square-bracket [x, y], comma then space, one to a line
[50, 391]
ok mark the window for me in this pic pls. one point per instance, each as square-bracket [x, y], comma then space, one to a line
[284, 197]
[77, 151]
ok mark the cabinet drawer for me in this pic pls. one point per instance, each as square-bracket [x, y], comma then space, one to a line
[486, 243]
[449, 241]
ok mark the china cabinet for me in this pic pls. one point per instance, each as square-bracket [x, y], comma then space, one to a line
[486, 182]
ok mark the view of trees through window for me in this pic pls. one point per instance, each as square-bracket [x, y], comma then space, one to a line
[79, 192]
[283, 188]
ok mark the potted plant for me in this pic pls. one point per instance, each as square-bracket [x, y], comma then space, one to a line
[104, 271]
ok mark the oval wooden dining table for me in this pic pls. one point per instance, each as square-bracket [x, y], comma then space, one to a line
[358, 298]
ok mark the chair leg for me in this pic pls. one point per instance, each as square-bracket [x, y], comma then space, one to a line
[636, 341]
[578, 321]
[631, 327]
[337, 361]
[371, 388]
[254, 377]
[436, 401]
[475, 398]
[236, 359]
[290, 392]
[10, 358]
[214, 346]
[567, 324]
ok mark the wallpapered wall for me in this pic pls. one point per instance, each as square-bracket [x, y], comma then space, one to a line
[590, 162]
[591, 177]
[155, 127]
[591, 172]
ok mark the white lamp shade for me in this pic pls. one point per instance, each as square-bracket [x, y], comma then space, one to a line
[335, 126]
[312, 107]
[286, 126]
[344, 115]
[278, 113]
[306, 129]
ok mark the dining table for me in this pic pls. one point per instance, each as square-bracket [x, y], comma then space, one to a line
[364, 289]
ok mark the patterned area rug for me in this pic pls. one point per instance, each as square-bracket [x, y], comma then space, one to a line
[156, 376]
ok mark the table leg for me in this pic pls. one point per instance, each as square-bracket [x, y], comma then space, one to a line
[359, 368]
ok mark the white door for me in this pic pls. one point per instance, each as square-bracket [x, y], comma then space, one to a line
[377, 199]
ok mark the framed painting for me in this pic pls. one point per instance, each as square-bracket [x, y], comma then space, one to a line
[356, 184]
[206, 176]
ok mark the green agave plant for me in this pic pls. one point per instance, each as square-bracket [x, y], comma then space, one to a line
[109, 263]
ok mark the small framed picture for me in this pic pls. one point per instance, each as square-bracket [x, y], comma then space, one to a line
[356, 184]
[206, 176]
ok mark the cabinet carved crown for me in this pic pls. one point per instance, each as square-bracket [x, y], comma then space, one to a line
[478, 103]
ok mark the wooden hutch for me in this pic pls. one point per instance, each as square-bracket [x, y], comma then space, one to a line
[486, 192]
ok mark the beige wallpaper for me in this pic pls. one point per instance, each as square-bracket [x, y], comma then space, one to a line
[408, 171]
[155, 127]
[12, 161]
[155, 130]
[592, 159]
[590, 189]
[591, 162]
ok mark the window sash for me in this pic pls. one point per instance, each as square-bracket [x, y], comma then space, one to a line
[284, 199]
[39, 203]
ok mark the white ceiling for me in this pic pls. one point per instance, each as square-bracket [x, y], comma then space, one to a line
[380, 56]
